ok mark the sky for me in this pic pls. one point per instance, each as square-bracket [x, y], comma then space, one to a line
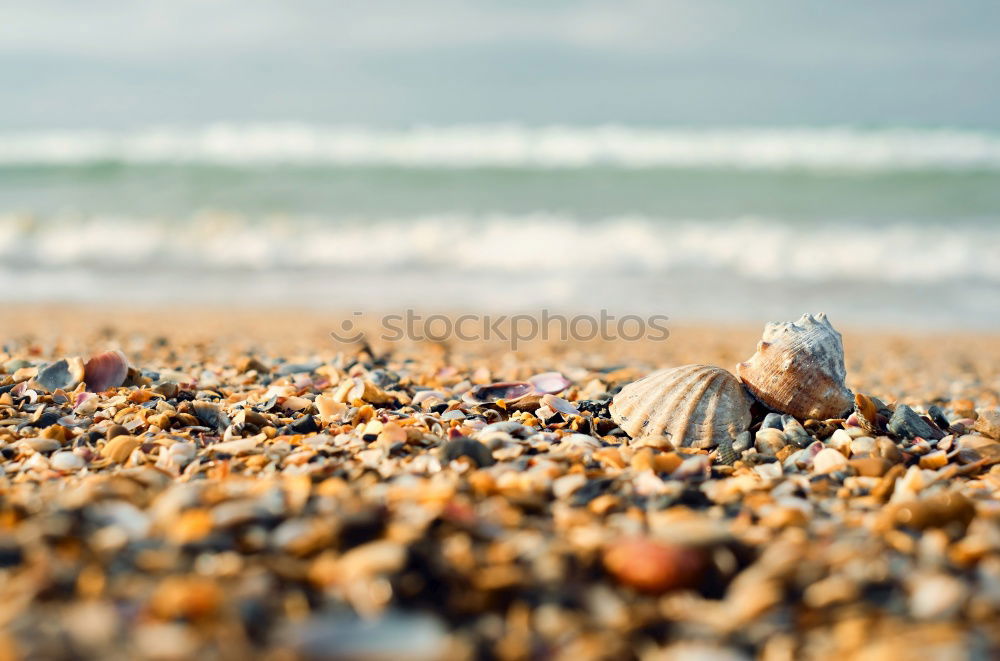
[104, 63]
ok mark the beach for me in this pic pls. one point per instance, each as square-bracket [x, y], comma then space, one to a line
[257, 489]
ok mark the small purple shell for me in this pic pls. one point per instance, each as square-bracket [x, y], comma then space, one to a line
[105, 370]
[549, 383]
[491, 392]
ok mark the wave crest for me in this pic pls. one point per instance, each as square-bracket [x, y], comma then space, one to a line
[543, 243]
[513, 146]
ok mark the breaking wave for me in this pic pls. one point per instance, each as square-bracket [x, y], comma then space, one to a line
[548, 244]
[513, 146]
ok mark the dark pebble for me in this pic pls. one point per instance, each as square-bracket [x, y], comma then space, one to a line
[772, 421]
[10, 556]
[304, 425]
[385, 379]
[46, 419]
[467, 447]
[938, 416]
[298, 368]
[906, 423]
[742, 442]
[115, 430]
[591, 490]
[599, 407]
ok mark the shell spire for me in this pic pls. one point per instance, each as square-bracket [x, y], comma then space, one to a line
[799, 369]
[690, 406]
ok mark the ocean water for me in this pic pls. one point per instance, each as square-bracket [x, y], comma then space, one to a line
[876, 226]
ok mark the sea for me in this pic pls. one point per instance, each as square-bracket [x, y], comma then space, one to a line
[895, 227]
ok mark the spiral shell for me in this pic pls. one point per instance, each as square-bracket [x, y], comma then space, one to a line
[799, 369]
[692, 406]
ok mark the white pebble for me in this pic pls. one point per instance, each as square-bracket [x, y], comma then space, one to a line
[66, 461]
[828, 461]
[862, 446]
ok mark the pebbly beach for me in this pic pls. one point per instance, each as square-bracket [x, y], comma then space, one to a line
[269, 494]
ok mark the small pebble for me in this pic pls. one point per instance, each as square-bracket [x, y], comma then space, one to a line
[828, 461]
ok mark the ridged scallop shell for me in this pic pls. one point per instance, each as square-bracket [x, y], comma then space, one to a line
[692, 406]
[799, 369]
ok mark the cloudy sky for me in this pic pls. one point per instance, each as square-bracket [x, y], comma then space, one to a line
[65, 63]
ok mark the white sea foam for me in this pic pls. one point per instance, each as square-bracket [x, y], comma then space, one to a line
[513, 145]
[760, 250]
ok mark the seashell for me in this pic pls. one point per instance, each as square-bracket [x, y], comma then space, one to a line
[518, 395]
[119, 448]
[105, 370]
[65, 374]
[211, 415]
[559, 405]
[799, 369]
[866, 415]
[726, 455]
[692, 406]
[549, 383]
[422, 395]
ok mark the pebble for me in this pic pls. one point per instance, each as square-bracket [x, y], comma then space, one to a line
[936, 511]
[988, 423]
[652, 566]
[795, 433]
[452, 529]
[42, 445]
[772, 421]
[862, 446]
[769, 441]
[870, 466]
[66, 461]
[467, 447]
[906, 423]
[827, 461]
[936, 595]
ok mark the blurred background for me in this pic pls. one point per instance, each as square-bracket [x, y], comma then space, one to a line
[690, 158]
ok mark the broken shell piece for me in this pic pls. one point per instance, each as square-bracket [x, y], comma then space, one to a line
[329, 409]
[867, 416]
[367, 391]
[64, 374]
[549, 382]
[423, 395]
[799, 369]
[988, 423]
[559, 405]
[105, 370]
[519, 395]
[692, 406]
[119, 448]
[211, 415]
